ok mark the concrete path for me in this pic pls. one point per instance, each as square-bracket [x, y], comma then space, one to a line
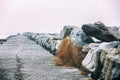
[23, 59]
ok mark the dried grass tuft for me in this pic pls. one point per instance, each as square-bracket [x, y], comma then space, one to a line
[69, 54]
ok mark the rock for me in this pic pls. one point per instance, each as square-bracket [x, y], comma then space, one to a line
[86, 79]
[58, 42]
[37, 37]
[76, 34]
[93, 45]
[92, 63]
[96, 40]
[82, 39]
[90, 59]
[66, 31]
[103, 57]
[115, 31]
[107, 45]
[119, 48]
[47, 41]
[99, 31]
[85, 48]
[111, 69]
[55, 36]
[96, 56]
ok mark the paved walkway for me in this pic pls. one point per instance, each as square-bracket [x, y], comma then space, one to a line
[23, 59]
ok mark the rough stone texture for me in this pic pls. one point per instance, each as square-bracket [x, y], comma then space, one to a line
[99, 31]
[103, 57]
[48, 41]
[119, 48]
[115, 31]
[111, 69]
[107, 45]
[66, 31]
[76, 34]
[96, 57]
[92, 63]
[82, 39]
[23, 59]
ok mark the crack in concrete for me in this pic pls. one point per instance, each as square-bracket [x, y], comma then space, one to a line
[18, 72]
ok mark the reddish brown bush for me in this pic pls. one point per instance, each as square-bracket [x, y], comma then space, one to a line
[69, 54]
[62, 57]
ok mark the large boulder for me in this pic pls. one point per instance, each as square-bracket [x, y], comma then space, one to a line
[96, 57]
[92, 63]
[99, 31]
[76, 34]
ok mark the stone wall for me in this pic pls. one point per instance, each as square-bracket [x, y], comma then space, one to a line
[48, 41]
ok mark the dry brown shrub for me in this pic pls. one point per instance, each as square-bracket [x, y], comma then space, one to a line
[63, 52]
[69, 54]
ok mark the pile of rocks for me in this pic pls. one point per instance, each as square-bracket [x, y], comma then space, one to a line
[103, 47]
[48, 41]
[100, 41]
[103, 58]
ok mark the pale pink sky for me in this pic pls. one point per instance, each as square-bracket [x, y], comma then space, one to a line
[52, 15]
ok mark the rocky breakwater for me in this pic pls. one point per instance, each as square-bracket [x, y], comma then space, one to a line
[48, 41]
[93, 48]
[103, 58]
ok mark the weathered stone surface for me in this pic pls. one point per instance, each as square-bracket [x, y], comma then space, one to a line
[66, 31]
[82, 39]
[115, 31]
[76, 34]
[55, 36]
[111, 69]
[103, 57]
[92, 63]
[95, 59]
[107, 45]
[119, 48]
[47, 41]
[99, 31]
[93, 45]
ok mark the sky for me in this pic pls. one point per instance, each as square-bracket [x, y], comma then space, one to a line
[52, 15]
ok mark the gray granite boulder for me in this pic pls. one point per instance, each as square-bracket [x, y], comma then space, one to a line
[76, 34]
[99, 31]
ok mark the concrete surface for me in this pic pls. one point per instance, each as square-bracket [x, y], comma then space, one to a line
[23, 59]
